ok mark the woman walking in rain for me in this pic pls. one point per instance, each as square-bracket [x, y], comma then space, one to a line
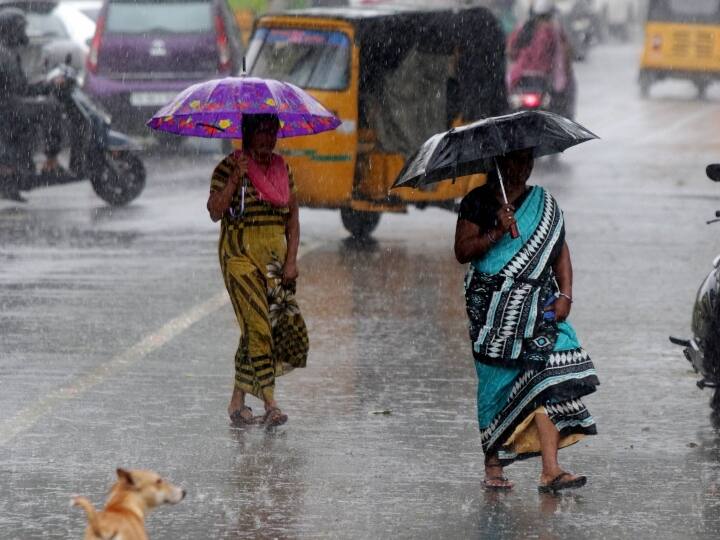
[531, 368]
[252, 193]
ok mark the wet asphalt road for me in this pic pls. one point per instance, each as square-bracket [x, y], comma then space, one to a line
[116, 346]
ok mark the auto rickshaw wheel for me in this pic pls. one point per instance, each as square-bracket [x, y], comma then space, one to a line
[358, 223]
[702, 87]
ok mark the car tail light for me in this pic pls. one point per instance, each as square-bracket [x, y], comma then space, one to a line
[223, 46]
[531, 101]
[92, 58]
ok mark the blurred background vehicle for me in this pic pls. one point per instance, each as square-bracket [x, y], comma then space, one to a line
[89, 8]
[581, 23]
[107, 158]
[680, 42]
[391, 94]
[57, 32]
[144, 52]
[616, 18]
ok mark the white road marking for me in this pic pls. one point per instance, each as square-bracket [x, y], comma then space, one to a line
[26, 418]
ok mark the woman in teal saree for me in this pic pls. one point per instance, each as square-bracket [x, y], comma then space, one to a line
[531, 368]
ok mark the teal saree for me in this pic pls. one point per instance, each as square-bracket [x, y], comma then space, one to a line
[525, 363]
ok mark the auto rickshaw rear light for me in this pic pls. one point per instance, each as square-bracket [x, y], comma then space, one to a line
[657, 43]
[92, 58]
[223, 46]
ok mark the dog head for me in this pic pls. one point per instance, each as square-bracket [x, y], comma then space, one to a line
[151, 487]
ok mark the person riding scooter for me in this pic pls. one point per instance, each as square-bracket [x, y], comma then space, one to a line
[539, 48]
[24, 108]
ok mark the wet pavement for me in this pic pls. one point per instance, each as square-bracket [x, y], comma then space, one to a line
[116, 346]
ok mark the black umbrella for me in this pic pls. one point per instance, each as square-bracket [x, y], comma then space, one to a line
[473, 148]
[470, 149]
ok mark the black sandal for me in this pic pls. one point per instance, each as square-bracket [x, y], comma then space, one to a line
[237, 418]
[557, 483]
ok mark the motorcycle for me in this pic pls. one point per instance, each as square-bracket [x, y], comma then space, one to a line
[531, 92]
[579, 21]
[106, 157]
[702, 350]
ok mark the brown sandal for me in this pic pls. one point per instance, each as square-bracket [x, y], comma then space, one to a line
[237, 418]
[501, 478]
[274, 417]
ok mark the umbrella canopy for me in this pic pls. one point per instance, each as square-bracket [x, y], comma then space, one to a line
[215, 109]
[470, 149]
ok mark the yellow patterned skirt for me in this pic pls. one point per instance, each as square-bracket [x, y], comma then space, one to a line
[273, 335]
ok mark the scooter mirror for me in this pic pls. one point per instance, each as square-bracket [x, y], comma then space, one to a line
[713, 172]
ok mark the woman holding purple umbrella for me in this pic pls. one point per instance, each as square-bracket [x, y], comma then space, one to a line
[252, 195]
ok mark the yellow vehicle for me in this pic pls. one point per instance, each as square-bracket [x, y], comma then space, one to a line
[682, 40]
[394, 77]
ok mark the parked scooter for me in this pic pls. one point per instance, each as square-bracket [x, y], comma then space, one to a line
[106, 157]
[702, 350]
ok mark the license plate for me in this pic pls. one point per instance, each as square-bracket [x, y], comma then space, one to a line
[151, 99]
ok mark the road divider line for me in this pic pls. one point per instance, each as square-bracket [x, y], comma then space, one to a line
[28, 417]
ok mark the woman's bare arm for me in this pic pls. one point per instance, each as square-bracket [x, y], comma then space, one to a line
[564, 277]
[471, 243]
[563, 270]
[292, 236]
[219, 201]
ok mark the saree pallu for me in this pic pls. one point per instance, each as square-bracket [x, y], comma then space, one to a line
[526, 365]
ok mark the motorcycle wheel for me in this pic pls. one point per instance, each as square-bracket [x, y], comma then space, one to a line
[119, 178]
[715, 405]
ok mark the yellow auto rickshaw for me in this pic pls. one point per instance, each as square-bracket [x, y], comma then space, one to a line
[394, 77]
[682, 40]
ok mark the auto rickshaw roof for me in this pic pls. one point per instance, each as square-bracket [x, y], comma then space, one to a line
[417, 20]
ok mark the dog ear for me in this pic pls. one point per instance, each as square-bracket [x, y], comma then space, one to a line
[126, 476]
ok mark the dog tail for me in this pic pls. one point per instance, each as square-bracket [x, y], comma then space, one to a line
[86, 505]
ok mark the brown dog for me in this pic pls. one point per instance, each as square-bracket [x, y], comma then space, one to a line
[123, 517]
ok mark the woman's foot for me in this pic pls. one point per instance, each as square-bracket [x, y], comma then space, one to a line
[494, 478]
[239, 413]
[242, 416]
[274, 417]
[552, 483]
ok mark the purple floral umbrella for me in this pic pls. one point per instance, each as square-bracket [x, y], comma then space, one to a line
[215, 109]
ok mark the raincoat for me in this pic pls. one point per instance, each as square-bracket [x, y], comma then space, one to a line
[546, 55]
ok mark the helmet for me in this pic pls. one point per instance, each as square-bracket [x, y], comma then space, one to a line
[542, 7]
[13, 24]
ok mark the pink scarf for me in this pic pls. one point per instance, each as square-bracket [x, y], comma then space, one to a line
[272, 186]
